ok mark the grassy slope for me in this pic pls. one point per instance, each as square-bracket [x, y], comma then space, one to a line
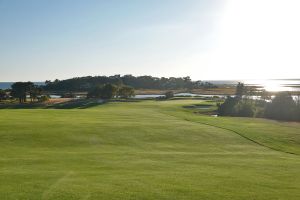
[146, 150]
[276, 135]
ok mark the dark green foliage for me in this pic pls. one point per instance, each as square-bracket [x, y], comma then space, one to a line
[96, 92]
[109, 91]
[240, 90]
[43, 98]
[125, 92]
[265, 95]
[244, 108]
[3, 95]
[233, 106]
[106, 91]
[260, 112]
[298, 106]
[20, 90]
[139, 82]
[169, 94]
[68, 95]
[282, 107]
[34, 92]
[228, 107]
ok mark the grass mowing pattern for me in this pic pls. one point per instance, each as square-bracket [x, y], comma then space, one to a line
[145, 150]
[276, 135]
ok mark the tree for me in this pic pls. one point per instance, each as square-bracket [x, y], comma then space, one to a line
[43, 98]
[34, 92]
[244, 108]
[20, 90]
[169, 94]
[240, 90]
[125, 92]
[228, 107]
[265, 95]
[282, 107]
[2, 94]
[109, 91]
[95, 92]
[298, 105]
[137, 82]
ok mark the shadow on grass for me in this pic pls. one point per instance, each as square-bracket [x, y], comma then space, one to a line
[72, 104]
[79, 104]
[199, 106]
[76, 104]
[21, 106]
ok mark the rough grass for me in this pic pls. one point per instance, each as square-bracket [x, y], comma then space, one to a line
[145, 150]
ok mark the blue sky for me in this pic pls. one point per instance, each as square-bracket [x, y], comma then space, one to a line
[48, 39]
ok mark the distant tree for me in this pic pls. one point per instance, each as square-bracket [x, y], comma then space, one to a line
[125, 92]
[47, 82]
[239, 105]
[169, 94]
[240, 90]
[137, 82]
[282, 107]
[2, 94]
[250, 91]
[265, 95]
[20, 90]
[95, 92]
[298, 105]
[43, 98]
[228, 107]
[244, 108]
[68, 95]
[34, 92]
[236, 107]
[109, 91]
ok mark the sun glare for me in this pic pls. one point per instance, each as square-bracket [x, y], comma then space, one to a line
[273, 87]
[257, 39]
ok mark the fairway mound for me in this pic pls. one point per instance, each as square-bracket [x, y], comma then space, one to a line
[199, 106]
[77, 103]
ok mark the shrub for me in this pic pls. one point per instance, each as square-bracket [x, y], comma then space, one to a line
[125, 92]
[227, 108]
[107, 91]
[169, 94]
[282, 107]
[43, 98]
[245, 108]
[68, 95]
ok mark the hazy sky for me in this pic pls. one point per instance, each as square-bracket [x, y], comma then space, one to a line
[234, 39]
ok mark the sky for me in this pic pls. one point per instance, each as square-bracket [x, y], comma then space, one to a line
[204, 39]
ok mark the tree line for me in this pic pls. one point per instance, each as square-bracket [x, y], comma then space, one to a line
[137, 82]
[109, 91]
[22, 91]
[281, 107]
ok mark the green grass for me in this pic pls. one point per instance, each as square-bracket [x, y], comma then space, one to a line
[146, 150]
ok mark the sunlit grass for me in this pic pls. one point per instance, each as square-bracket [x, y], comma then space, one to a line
[145, 150]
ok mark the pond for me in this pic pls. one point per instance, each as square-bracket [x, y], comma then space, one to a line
[147, 96]
[182, 94]
[54, 96]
